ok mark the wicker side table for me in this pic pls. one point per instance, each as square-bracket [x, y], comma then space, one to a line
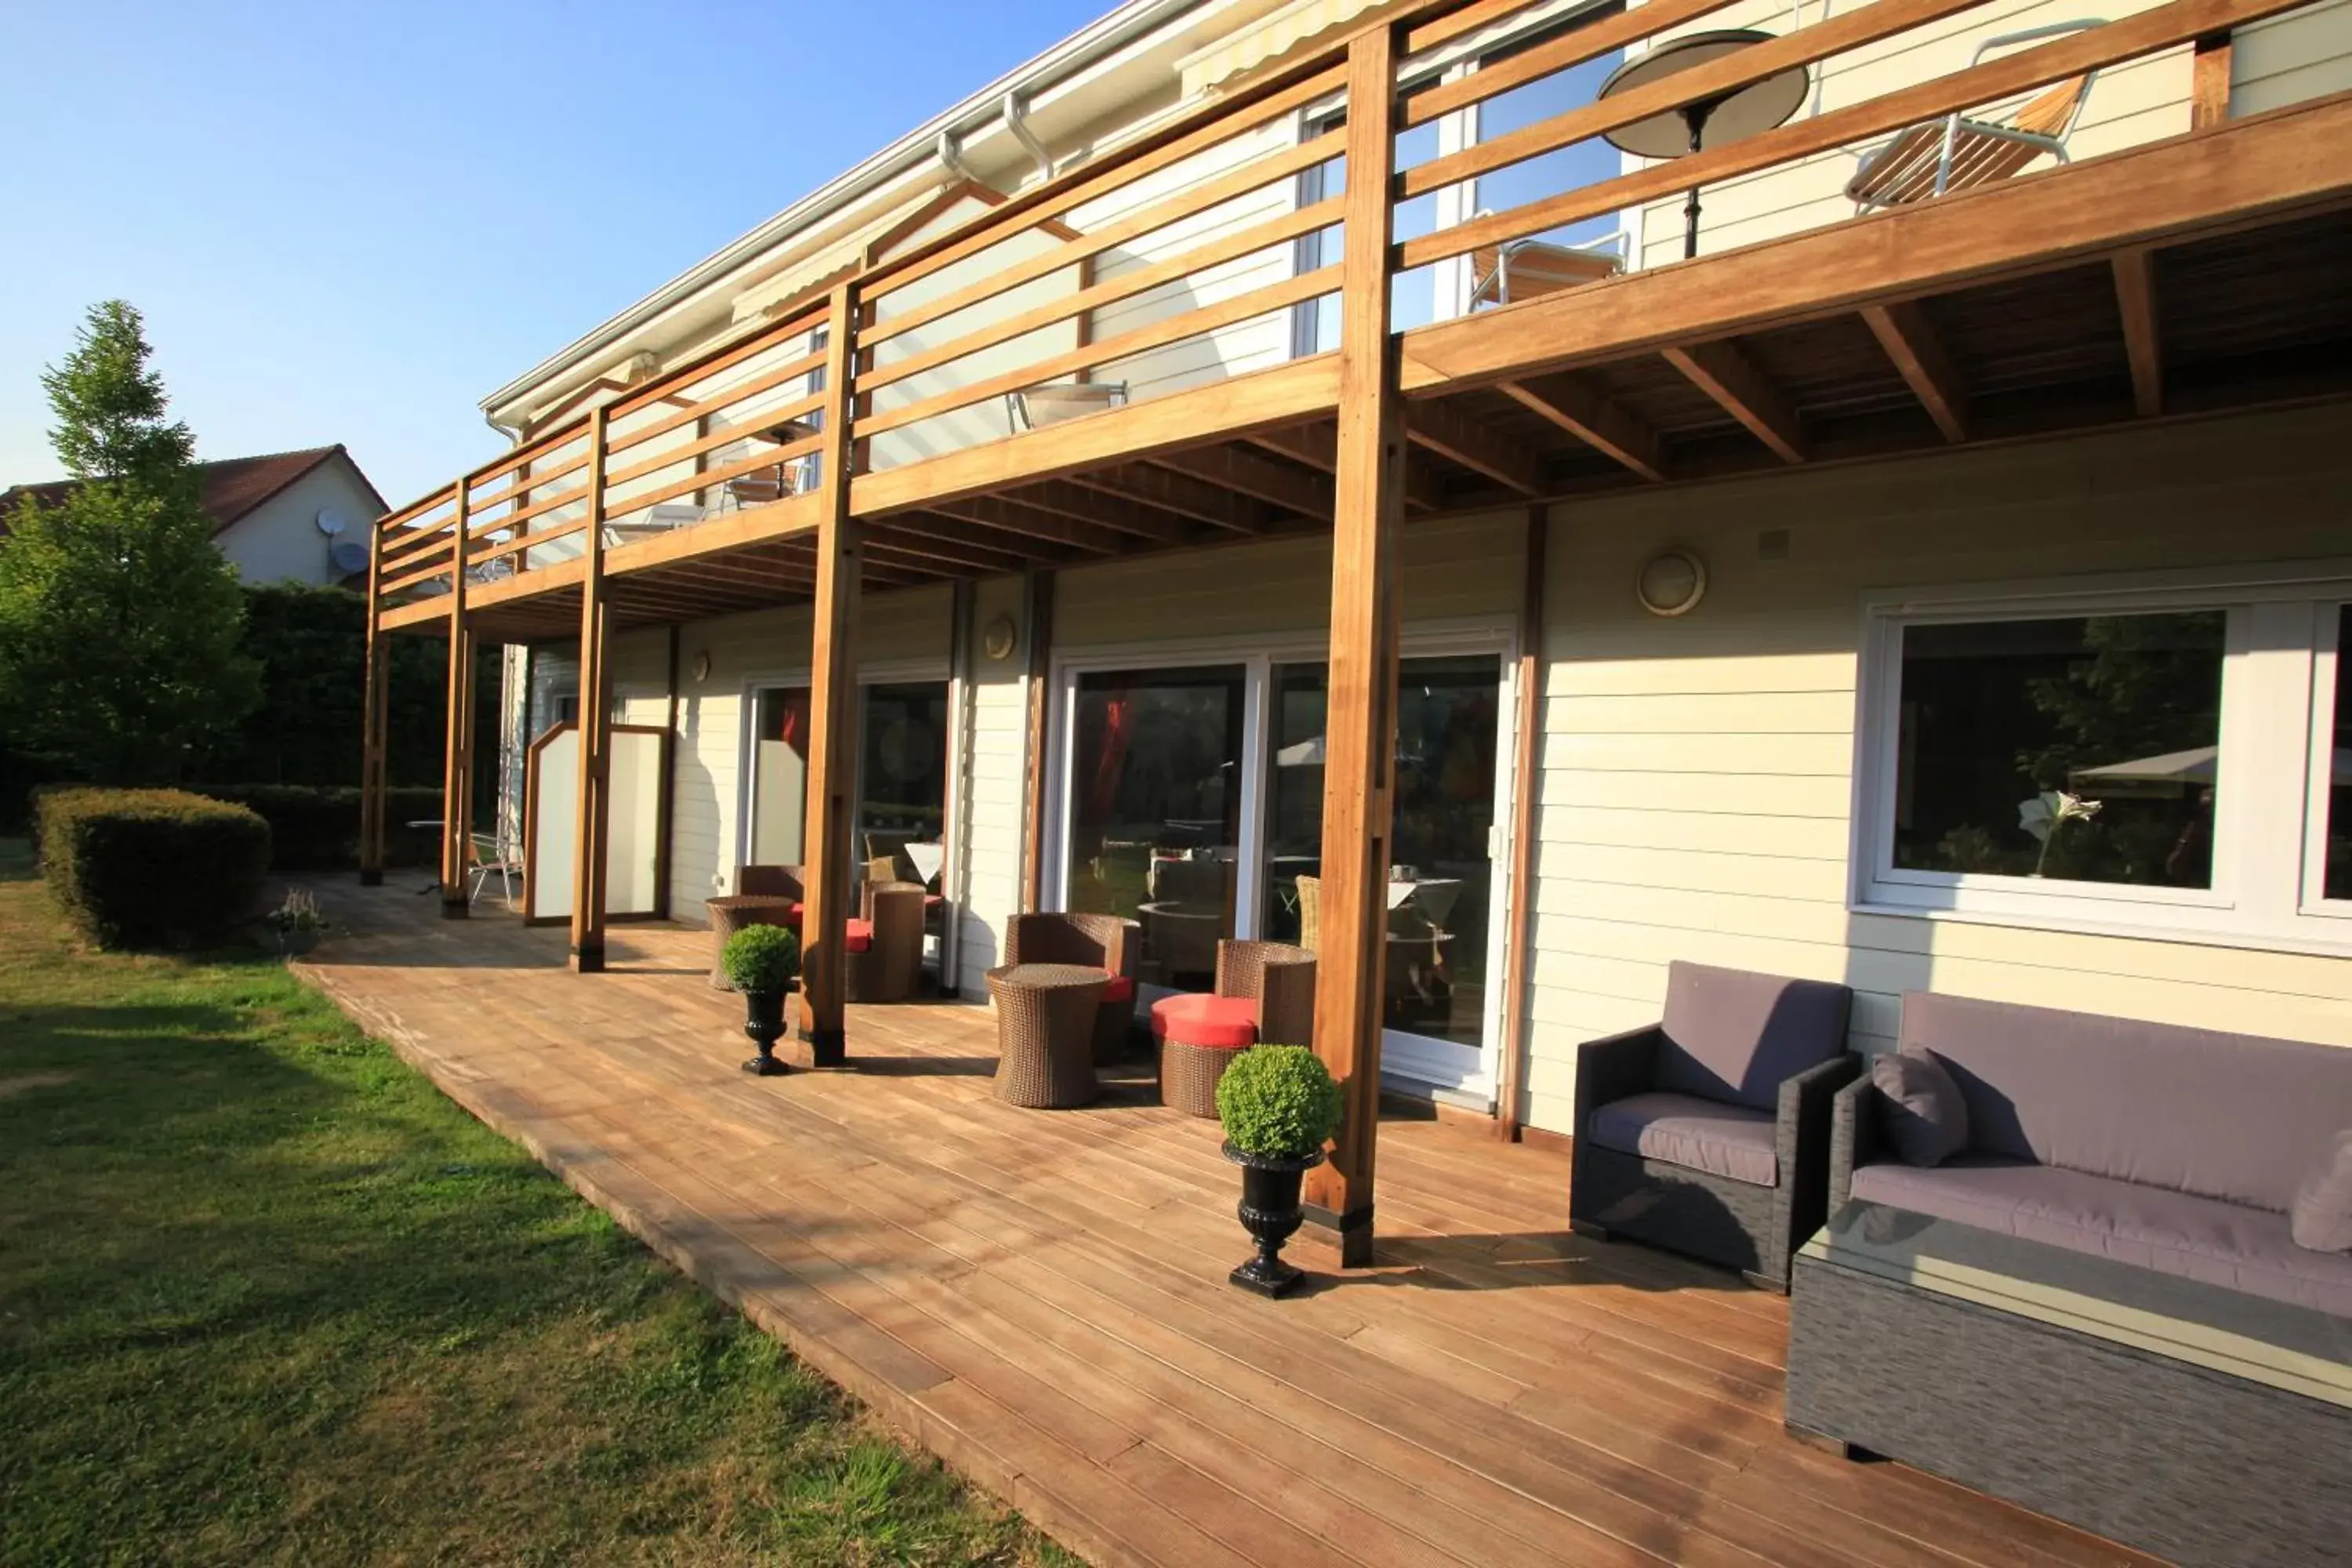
[1045, 1016]
[731, 914]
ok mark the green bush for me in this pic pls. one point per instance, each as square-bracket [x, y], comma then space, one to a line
[316, 827]
[761, 958]
[1278, 1102]
[152, 868]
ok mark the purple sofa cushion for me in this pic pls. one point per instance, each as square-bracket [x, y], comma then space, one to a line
[1736, 1036]
[2222, 1243]
[1727, 1140]
[2235, 1117]
[1920, 1107]
[2320, 1218]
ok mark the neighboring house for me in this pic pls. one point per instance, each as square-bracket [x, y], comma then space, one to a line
[1788, 569]
[282, 517]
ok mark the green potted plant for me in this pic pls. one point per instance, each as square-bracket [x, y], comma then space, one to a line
[762, 962]
[297, 922]
[1278, 1105]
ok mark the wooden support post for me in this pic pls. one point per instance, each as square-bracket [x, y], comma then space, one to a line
[1360, 718]
[2208, 82]
[825, 878]
[1526, 785]
[375, 711]
[665, 826]
[1040, 616]
[594, 818]
[457, 752]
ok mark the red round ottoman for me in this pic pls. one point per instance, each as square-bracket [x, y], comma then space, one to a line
[1198, 1037]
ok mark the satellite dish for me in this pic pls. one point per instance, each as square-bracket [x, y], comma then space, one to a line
[331, 522]
[347, 556]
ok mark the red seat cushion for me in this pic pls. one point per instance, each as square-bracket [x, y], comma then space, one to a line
[1221, 1023]
[860, 935]
[1120, 989]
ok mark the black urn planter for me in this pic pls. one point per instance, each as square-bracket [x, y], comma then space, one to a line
[1269, 1212]
[763, 1020]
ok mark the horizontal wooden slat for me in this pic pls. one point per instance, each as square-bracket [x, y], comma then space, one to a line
[445, 495]
[724, 357]
[750, 465]
[767, 419]
[528, 542]
[1216, 249]
[526, 483]
[1192, 200]
[545, 504]
[718, 402]
[1570, 48]
[1241, 308]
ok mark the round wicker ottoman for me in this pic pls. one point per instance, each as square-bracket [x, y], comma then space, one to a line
[1199, 1037]
[1045, 1018]
[730, 915]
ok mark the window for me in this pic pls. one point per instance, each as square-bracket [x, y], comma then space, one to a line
[2150, 756]
[780, 739]
[1156, 812]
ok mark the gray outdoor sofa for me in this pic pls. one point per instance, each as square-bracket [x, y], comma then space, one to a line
[2095, 1306]
[1709, 1133]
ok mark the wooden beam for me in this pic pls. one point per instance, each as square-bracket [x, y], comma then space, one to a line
[458, 751]
[1178, 493]
[1001, 515]
[1359, 731]
[1727, 375]
[374, 715]
[1038, 591]
[1232, 469]
[1526, 787]
[1080, 502]
[1443, 429]
[2134, 271]
[594, 822]
[1904, 331]
[1317, 446]
[1590, 415]
[2209, 81]
[826, 878]
[941, 539]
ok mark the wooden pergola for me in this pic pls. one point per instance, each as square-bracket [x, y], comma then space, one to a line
[2185, 277]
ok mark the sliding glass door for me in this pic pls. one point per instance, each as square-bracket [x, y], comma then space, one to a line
[1155, 810]
[779, 803]
[1193, 801]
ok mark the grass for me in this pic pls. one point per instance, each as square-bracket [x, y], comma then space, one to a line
[267, 1296]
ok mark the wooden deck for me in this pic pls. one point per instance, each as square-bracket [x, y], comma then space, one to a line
[1040, 1297]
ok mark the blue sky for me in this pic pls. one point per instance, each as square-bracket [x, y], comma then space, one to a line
[347, 220]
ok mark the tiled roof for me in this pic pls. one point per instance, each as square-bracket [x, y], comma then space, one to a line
[227, 490]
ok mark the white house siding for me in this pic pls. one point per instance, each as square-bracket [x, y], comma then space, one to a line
[1697, 772]
[2131, 104]
[2302, 54]
[995, 785]
[279, 540]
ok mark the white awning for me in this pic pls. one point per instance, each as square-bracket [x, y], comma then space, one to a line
[1293, 29]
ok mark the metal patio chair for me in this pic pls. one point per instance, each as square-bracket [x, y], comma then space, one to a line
[1960, 154]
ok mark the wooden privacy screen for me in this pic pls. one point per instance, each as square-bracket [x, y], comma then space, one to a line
[634, 858]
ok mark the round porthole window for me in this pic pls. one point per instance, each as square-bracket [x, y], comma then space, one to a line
[1671, 583]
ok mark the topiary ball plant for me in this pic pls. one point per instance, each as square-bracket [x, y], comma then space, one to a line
[1278, 1103]
[761, 958]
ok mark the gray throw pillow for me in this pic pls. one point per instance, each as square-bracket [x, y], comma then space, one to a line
[2320, 1218]
[1923, 1114]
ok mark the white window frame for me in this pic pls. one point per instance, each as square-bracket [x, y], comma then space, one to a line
[2265, 836]
[2329, 665]
[1452, 1070]
[882, 672]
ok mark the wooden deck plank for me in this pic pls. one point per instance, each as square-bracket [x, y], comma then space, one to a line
[1040, 1297]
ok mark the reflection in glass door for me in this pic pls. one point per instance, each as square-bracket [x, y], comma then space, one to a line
[780, 738]
[902, 774]
[1155, 810]
[1441, 875]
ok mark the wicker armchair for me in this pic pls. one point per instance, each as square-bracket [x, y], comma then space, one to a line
[889, 968]
[769, 882]
[1102, 941]
[1709, 1133]
[1280, 979]
[1265, 994]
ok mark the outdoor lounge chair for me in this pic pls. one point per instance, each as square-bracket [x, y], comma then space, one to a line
[891, 966]
[492, 857]
[1265, 995]
[1709, 1133]
[1108, 942]
[1529, 269]
[1958, 153]
[1034, 408]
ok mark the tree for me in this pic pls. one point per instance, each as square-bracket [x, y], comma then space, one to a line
[120, 622]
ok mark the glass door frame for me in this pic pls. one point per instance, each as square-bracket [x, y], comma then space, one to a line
[1455, 1071]
[887, 672]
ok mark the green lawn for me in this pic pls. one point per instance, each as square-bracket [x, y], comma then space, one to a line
[266, 1296]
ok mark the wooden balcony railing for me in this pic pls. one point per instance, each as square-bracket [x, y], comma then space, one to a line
[1190, 233]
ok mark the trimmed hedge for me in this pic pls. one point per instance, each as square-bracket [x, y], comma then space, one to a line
[316, 827]
[152, 868]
